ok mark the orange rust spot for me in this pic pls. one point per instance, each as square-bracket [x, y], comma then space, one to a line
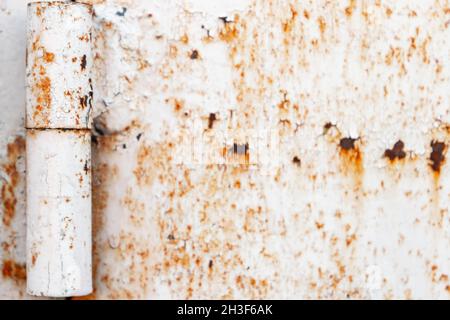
[35, 44]
[350, 8]
[41, 70]
[84, 37]
[230, 32]
[33, 259]
[178, 105]
[173, 51]
[289, 24]
[388, 12]
[184, 39]
[239, 281]
[44, 97]
[224, 152]
[49, 57]
[350, 239]
[306, 14]
[14, 270]
[14, 151]
[322, 24]
[143, 64]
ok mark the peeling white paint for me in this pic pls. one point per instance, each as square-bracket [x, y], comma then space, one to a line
[59, 213]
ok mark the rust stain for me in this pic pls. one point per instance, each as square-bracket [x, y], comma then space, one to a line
[49, 57]
[33, 259]
[14, 271]
[437, 156]
[84, 37]
[83, 62]
[288, 25]
[194, 55]
[388, 12]
[322, 24]
[230, 31]
[84, 102]
[15, 150]
[211, 119]
[350, 8]
[178, 104]
[184, 39]
[44, 97]
[352, 160]
[397, 152]
[239, 154]
[306, 14]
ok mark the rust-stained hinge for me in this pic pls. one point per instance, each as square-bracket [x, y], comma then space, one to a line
[58, 122]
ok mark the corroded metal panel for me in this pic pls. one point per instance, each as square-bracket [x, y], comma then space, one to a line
[264, 149]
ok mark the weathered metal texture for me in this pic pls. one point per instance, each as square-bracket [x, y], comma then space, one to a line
[59, 62]
[270, 149]
[58, 212]
[58, 176]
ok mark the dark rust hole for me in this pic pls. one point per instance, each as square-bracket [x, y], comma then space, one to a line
[211, 119]
[396, 152]
[437, 154]
[83, 62]
[347, 143]
[194, 54]
[241, 149]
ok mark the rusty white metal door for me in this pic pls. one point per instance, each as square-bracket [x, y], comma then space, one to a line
[254, 149]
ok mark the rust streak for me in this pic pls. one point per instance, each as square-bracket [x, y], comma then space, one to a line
[15, 151]
[83, 62]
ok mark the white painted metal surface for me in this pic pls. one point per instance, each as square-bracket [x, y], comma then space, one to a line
[58, 213]
[59, 62]
[58, 120]
[343, 191]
